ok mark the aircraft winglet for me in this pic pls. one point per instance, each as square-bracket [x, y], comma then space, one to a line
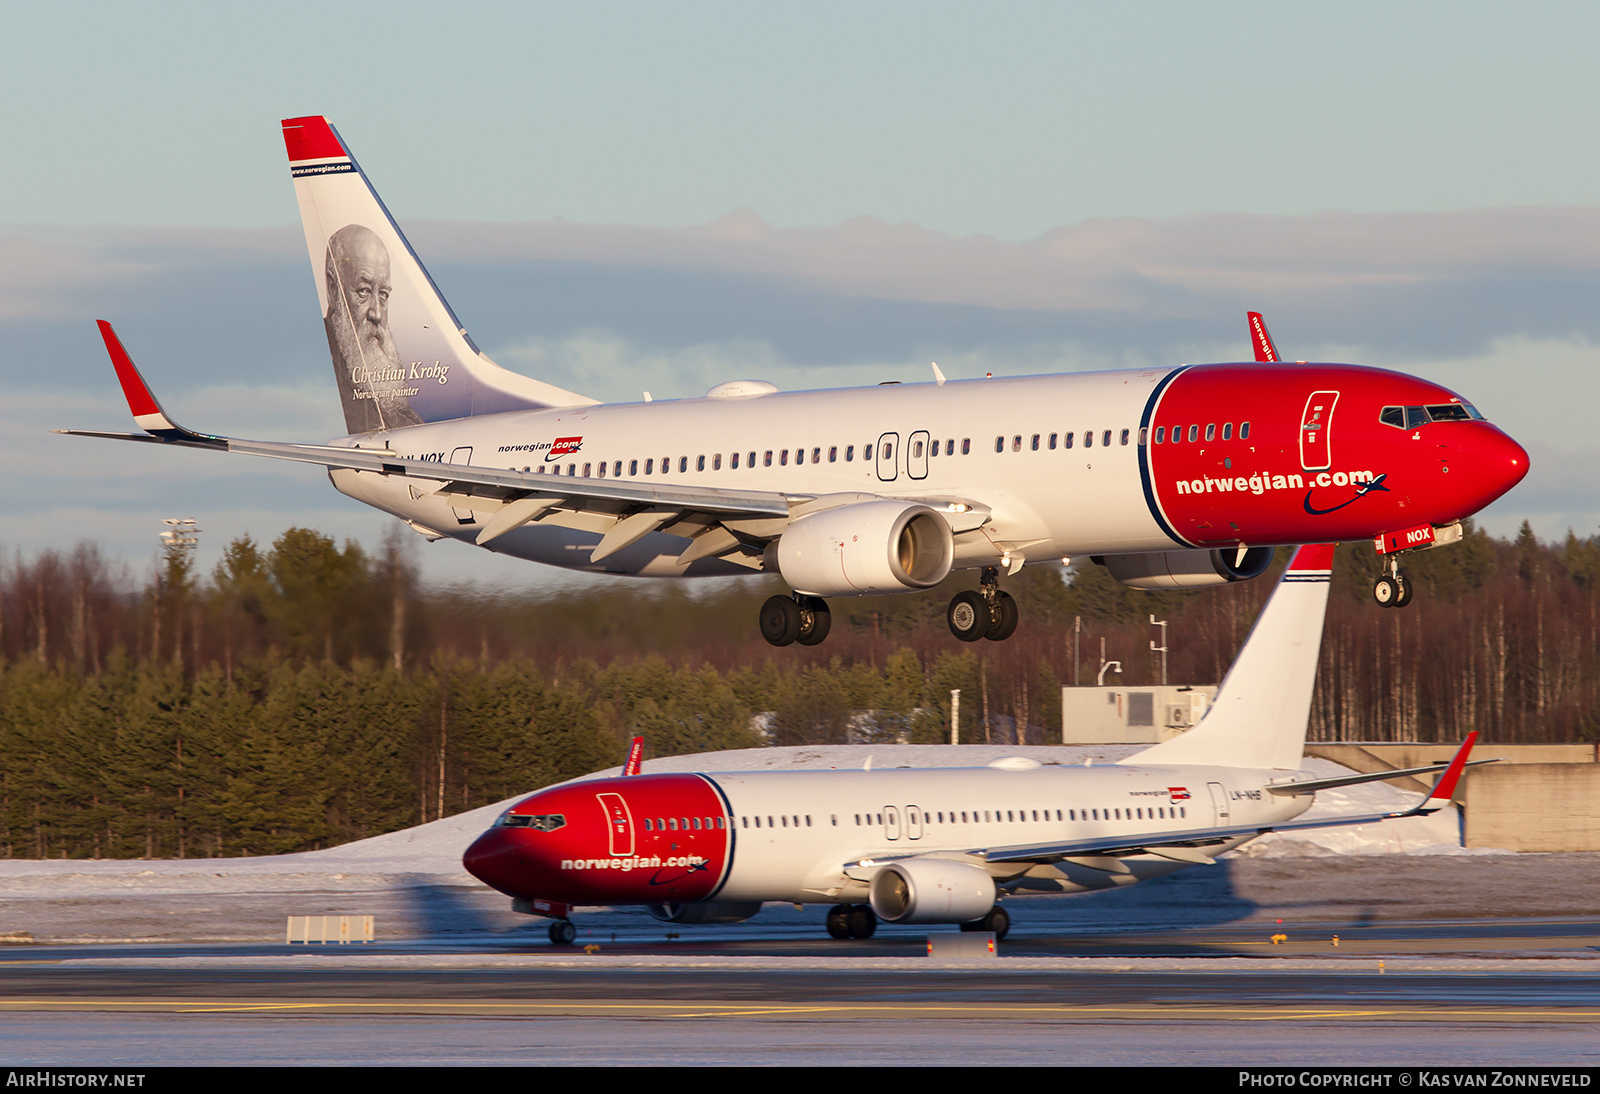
[1439, 797]
[142, 402]
[1261, 339]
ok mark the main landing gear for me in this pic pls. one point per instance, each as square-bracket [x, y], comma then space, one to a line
[852, 921]
[1393, 589]
[789, 619]
[985, 612]
[563, 933]
[996, 921]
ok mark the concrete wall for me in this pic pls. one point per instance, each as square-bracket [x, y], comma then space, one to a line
[1537, 798]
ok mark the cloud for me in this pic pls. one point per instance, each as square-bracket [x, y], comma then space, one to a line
[1497, 304]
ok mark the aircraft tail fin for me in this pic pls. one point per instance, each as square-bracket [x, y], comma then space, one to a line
[1261, 338]
[1260, 713]
[400, 355]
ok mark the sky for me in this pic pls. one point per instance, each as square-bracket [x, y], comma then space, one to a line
[620, 197]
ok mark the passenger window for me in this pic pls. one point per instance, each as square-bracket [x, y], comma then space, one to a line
[816, 455]
[1016, 443]
[966, 446]
[1227, 431]
[699, 463]
[999, 444]
[1088, 438]
[1125, 435]
[916, 451]
[1211, 431]
[1244, 431]
[733, 462]
[1066, 439]
[751, 462]
[849, 453]
[633, 468]
[1105, 438]
[1052, 442]
[616, 472]
[783, 458]
[683, 463]
[716, 461]
[766, 461]
[586, 469]
[1194, 433]
[1144, 436]
[602, 470]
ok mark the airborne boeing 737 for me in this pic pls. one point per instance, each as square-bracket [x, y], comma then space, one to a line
[1169, 477]
[943, 845]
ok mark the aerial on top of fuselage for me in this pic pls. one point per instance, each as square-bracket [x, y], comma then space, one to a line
[1173, 477]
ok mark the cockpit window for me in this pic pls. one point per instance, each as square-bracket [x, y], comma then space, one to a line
[547, 822]
[1410, 417]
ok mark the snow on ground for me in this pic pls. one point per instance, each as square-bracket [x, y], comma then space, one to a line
[435, 849]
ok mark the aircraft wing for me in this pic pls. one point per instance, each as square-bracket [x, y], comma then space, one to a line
[1186, 845]
[732, 524]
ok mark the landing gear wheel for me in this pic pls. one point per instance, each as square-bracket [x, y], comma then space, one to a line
[997, 921]
[969, 616]
[1003, 617]
[1406, 589]
[563, 933]
[863, 922]
[780, 620]
[1386, 591]
[815, 621]
[839, 921]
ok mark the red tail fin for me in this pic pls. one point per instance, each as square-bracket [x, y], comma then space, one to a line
[635, 758]
[1261, 340]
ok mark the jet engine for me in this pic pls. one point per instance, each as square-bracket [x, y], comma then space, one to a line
[868, 547]
[1187, 569]
[931, 890]
[715, 911]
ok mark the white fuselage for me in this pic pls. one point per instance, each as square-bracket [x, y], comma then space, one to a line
[1043, 502]
[794, 831]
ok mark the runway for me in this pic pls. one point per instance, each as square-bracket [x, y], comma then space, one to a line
[1489, 992]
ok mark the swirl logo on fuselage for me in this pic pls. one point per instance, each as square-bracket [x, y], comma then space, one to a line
[1365, 485]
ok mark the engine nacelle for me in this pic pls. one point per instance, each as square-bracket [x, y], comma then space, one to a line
[713, 911]
[870, 547]
[1186, 569]
[931, 890]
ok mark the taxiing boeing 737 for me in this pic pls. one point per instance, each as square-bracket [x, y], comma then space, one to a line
[1169, 477]
[943, 845]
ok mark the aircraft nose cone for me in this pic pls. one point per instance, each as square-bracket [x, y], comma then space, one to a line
[499, 858]
[1494, 460]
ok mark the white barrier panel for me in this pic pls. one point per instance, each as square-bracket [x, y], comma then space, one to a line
[328, 928]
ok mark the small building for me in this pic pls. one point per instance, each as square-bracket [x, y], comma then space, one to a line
[1116, 715]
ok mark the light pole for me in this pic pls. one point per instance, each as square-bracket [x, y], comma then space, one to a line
[1161, 649]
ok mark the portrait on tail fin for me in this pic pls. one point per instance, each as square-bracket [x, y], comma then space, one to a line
[372, 379]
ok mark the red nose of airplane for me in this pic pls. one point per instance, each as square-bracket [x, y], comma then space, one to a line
[1492, 462]
[503, 858]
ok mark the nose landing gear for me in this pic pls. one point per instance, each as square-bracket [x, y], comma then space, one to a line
[986, 612]
[1393, 589]
[563, 933]
[789, 619]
